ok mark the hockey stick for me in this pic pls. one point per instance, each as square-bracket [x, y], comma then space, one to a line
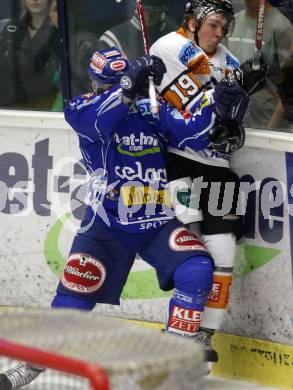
[259, 34]
[152, 90]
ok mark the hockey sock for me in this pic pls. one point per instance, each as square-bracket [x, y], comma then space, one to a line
[193, 281]
[222, 247]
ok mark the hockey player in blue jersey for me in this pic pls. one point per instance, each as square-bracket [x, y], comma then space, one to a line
[124, 150]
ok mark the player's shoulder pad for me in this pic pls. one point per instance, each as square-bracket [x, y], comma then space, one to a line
[188, 52]
[231, 60]
[80, 101]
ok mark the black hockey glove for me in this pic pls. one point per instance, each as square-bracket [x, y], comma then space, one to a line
[227, 137]
[252, 80]
[157, 69]
[231, 101]
[134, 81]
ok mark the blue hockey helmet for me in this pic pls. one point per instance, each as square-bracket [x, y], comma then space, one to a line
[107, 66]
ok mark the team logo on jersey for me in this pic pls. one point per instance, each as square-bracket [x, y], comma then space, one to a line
[183, 197]
[83, 274]
[125, 82]
[183, 240]
[118, 65]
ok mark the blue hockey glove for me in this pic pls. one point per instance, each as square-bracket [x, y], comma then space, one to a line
[231, 100]
[134, 81]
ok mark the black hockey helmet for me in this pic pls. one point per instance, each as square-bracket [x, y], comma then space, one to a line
[202, 9]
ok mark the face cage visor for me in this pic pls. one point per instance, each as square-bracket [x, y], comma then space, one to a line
[204, 13]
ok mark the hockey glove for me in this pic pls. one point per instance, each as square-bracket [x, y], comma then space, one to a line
[231, 101]
[227, 137]
[157, 69]
[134, 81]
[252, 80]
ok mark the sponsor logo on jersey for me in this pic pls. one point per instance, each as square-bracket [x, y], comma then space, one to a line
[118, 65]
[83, 274]
[152, 224]
[188, 52]
[184, 321]
[137, 146]
[232, 62]
[149, 175]
[183, 240]
[132, 195]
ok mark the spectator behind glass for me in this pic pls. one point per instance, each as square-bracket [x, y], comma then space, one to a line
[266, 110]
[29, 58]
[127, 36]
[58, 102]
[285, 6]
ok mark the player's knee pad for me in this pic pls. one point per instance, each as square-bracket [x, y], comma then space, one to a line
[192, 281]
[194, 278]
[184, 200]
[71, 302]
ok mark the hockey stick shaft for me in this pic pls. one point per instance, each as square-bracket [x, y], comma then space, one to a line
[152, 90]
[259, 34]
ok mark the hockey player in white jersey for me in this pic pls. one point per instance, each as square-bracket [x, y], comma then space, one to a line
[196, 60]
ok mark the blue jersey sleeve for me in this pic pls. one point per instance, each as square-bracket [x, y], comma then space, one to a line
[189, 130]
[94, 117]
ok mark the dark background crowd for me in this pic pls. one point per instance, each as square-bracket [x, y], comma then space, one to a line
[30, 55]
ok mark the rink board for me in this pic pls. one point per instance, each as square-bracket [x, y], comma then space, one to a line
[254, 360]
[42, 178]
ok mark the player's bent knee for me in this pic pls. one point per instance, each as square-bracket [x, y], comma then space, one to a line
[71, 302]
[194, 274]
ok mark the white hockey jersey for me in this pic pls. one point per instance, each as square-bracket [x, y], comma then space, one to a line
[189, 72]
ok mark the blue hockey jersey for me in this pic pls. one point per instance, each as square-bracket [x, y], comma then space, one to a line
[124, 150]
